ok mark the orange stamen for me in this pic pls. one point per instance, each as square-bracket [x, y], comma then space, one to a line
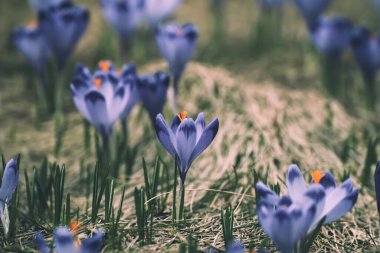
[74, 226]
[97, 82]
[32, 23]
[182, 115]
[104, 66]
[317, 176]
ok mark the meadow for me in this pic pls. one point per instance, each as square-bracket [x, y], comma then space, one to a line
[277, 99]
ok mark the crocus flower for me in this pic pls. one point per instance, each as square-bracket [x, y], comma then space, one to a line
[185, 139]
[102, 97]
[31, 43]
[63, 24]
[311, 10]
[8, 184]
[366, 49]
[177, 45]
[286, 223]
[123, 15]
[332, 202]
[235, 247]
[156, 11]
[377, 186]
[128, 77]
[64, 242]
[153, 92]
[331, 35]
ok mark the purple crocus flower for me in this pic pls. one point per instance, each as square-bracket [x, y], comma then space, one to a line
[31, 43]
[287, 222]
[102, 97]
[128, 77]
[311, 10]
[123, 15]
[185, 139]
[64, 242]
[155, 11]
[377, 186]
[153, 92]
[366, 49]
[8, 184]
[63, 24]
[332, 202]
[177, 45]
[331, 35]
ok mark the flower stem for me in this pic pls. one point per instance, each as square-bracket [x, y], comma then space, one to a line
[182, 200]
[174, 208]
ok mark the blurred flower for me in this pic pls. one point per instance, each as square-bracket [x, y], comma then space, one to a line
[377, 186]
[102, 97]
[177, 44]
[366, 49]
[123, 15]
[286, 223]
[332, 202]
[185, 138]
[8, 185]
[235, 247]
[64, 242]
[32, 44]
[153, 92]
[128, 76]
[311, 10]
[331, 35]
[63, 24]
[155, 11]
[217, 3]
[43, 4]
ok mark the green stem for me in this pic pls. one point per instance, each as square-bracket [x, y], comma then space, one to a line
[182, 200]
[174, 211]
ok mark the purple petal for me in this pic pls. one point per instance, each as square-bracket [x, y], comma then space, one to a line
[165, 135]
[63, 240]
[42, 248]
[9, 181]
[93, 244]
[200, 124]
[185, 143]
[295, 182]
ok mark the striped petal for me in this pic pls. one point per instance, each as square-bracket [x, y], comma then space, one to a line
[165, 135]
[64, 241]
[295, 182]
[10, 181]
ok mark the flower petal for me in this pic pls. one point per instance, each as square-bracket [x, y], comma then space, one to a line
[93, 244]
[98, 113]
[9, 181]
[63, 240]
[175, 123]
[165, 135]
[267, 194]
[205, 139]
[295, 182]
[200, 124]
[42, 248]
[185, 142]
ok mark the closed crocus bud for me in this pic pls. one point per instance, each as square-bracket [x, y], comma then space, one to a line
[31, 43]
[155, 11]
[366, 49]
[311, 10]
[331, 35]
[185, 139]
[63, 25]
[177, 45]
[100, 97]
[153, 92]
[8, 184]
[124, 16]
[128, 77]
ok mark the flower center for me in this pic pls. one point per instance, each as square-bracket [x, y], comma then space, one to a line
[97, 82]
[317, 175]
[182, 115]
[74, 226]
[104, 66]
[32, 24]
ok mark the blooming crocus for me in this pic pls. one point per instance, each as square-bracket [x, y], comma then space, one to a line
[100, 97]
[185, 139]
[332, 202]
[8, 185]
[123, 15]
[153, 92]
[177, 45]
[63, 24]
[64, 242]
[287, 222]
[311, 10]
[155, 11]
[31, 43]
[366, 49]
[331, 35]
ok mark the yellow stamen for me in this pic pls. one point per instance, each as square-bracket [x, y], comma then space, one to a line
[97, 82]
[182, 115]
[104, 65]
[32, 24]
[317, 175]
